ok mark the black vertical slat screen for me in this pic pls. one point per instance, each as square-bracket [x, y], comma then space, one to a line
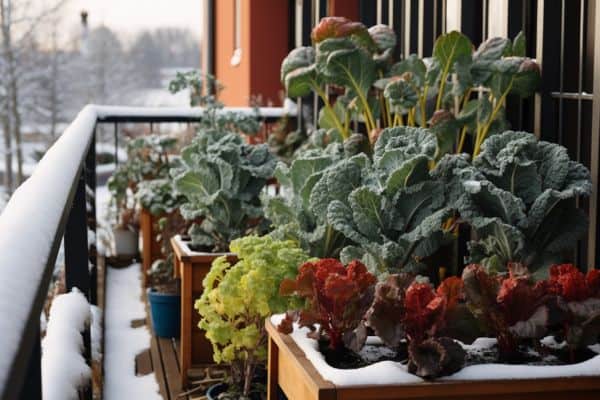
[565, 50]
[472, 20]
[368, 12]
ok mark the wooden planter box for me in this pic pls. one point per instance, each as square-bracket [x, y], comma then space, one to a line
[290, 370]
[151, 250]
[191, 267]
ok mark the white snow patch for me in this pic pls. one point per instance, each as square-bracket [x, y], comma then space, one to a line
[96, 333]
[395, 373]
[64, 369]
[122, 342]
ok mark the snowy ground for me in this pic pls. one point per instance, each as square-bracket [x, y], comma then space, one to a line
[122, 342]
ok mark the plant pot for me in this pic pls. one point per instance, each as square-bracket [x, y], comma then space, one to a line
[125, 242]
[291, 371]
[214, 391]
[191, 267]
[165, 309]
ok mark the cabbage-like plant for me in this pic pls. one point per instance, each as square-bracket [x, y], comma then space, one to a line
[519, 197]
[393, 211]
[440, 92]
[237, 299]
[292, 213]
[221, 179]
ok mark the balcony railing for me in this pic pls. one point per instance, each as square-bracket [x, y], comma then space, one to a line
[49, 206]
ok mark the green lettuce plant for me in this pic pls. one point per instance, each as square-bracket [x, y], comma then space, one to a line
[221, 178]
[237, 299]
[519, 195]
[456, 92]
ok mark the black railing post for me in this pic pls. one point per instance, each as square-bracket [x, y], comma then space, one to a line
[90, 180]
[32, 386]
[77, 270]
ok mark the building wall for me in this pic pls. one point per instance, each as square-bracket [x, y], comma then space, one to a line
[264, 44]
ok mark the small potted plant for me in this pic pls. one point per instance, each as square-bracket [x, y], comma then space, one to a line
[158, 197]
[147, 159]
[159, 209]
[125, 228]
[236, 300]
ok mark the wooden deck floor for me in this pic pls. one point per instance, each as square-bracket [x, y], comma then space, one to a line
[162, 359]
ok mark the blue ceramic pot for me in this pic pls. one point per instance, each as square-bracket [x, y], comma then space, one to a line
[165, 311]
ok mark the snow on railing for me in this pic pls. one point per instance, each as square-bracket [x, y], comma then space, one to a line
[28, 228]
[64, 368]
[32, 224]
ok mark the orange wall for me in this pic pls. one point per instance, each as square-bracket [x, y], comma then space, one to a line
[344, 8]
[264, 45]
[269, 47]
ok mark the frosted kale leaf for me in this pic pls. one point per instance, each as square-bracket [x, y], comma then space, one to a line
[521, 200]
[292, 213]
[397, 213]
[221, 178]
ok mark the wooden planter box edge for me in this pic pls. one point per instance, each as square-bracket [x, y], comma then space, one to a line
[290, 369]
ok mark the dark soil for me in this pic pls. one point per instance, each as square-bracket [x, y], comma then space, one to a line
[527, 355]
[370, 354]
[167, 288]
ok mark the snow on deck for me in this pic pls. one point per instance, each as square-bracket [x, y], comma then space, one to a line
[122, 342]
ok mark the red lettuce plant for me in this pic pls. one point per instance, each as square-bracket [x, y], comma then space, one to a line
[511, 307]
[404, 309]
[337, 298]
[581, 302]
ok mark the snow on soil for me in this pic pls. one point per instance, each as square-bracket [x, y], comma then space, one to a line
[393, 373]
[122, 342]
[64, 369]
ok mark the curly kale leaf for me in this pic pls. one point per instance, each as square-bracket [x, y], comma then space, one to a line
[292, 213]
[519, 196]
[391, 209]
[221, 178]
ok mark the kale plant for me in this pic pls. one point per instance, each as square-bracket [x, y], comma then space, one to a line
[519, 195]
[221, 179]
[204, 92]
[394, 212]
[293, 215]
[387, 212]
[457, 92]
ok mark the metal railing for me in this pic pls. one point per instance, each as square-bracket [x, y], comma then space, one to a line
[49, 207]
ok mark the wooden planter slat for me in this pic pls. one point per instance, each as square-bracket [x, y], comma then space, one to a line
[151, 250]
[290, 370]
[191, 267]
